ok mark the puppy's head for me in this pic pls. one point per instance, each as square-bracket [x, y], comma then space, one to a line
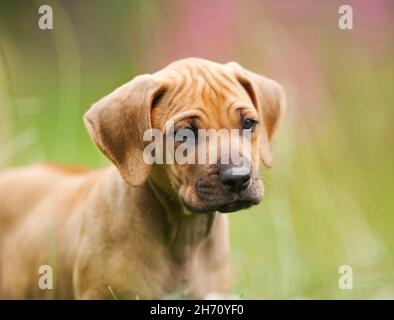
[192, 94]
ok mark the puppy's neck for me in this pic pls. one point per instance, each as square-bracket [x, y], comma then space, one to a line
[185, 232]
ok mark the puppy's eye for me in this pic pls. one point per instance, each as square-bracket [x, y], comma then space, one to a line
[248, 124]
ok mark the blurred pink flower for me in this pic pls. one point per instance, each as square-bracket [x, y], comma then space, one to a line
[203, 28]
[373, 25]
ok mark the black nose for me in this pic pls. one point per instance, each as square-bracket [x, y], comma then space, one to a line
[235, 179]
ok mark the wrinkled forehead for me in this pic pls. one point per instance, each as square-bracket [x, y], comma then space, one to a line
[208, 87]
[205, 83]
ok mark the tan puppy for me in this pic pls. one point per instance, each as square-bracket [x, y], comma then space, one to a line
[142, 231]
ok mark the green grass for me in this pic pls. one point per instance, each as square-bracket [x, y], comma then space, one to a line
[330, 203]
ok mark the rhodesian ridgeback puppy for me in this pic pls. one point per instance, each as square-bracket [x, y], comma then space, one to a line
[138, 230]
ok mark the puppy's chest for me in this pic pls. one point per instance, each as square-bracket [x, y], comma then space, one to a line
[196, 270]
[188, 278]
[187, 267]
[161, 275]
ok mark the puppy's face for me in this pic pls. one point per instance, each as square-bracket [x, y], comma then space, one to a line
[204, 96]
[194, 95]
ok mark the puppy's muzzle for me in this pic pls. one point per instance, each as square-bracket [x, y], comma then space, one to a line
[229, 189]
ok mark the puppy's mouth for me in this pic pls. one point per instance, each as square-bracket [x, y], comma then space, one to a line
[227, 207]
[235, 206]
[214, 197]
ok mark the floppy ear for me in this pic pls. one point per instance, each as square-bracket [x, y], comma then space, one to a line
[117, 122]
[269, 99]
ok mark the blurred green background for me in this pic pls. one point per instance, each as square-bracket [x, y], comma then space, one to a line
[330, 195]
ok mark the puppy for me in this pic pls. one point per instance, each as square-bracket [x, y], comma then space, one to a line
[138, 230]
